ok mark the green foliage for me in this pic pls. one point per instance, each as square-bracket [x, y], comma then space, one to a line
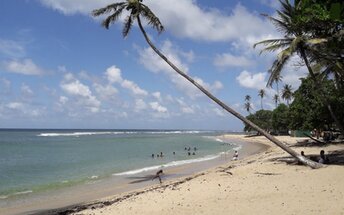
[280, 119]
[308, 111]
[262, 118]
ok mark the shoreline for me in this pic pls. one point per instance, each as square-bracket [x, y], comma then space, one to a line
[173, 174]
[257, 184]
[190, 171]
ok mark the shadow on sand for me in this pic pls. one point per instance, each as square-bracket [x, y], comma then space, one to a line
[335, 158]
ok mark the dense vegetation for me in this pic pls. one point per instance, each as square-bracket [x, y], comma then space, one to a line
[313, 30]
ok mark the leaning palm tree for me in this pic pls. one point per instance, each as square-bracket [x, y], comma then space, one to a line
[261, 94]
[276, 99]
[137, 9]
[295, 41]
[287, 93]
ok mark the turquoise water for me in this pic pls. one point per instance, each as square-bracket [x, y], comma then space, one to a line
[32, 161]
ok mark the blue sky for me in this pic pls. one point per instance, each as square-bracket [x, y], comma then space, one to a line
[60, 69]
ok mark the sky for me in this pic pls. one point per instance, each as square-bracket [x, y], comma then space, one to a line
[59, 68]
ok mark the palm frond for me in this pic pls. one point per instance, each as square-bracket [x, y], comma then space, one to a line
[316, 41]
[128, 23]
[107, 9]
[151, 18]
[272, 42]
[114, 17]
[274, 47]
[277, 66]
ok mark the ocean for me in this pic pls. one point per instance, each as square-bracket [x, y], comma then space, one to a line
[43, 161]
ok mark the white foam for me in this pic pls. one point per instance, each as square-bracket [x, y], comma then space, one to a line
[238, 147]
[76, 134]
[3, 197]
[23, 192]
[94, 177]
[171, 164]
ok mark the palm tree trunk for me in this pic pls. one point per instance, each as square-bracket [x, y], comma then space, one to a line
[261, 102]
[300, 158]
[322, 93]
[278, 101]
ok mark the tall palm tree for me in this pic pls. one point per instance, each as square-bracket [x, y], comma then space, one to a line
[295, 41]
[248, 107]
[261, 94]
[247, 98]
[137, 9]
[287, 93]
[247, 104]
[276, 99]
[276, 79]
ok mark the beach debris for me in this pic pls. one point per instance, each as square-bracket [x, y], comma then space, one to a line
[267, 173]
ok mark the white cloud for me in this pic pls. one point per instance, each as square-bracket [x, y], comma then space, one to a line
[107, 92]
[253, 81]
[63, 100]
[25, 67]
[134, 88]
[76, 88]
[185, 19]
[228, 60]
[15, 105]
[157, 95]
[81, 92]
[219, 112]
[11, 48]
[5, 86]
[113, 75]
[150, 60]
[187, 110]
[157, 107]
[76, 6]
[26, 90]
[140, 105]
[293, 71]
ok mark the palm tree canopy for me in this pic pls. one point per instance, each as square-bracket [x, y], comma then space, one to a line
[295, 39]
[287, 92]
[276, 98]
[247, 98]
[135, 7]
[248, 106]
[261, 93]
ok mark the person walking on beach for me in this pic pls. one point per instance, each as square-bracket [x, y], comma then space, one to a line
[157, 175]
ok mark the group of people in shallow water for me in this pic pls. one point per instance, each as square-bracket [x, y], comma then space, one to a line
[321, 159]
[159, 155]
[188, 149]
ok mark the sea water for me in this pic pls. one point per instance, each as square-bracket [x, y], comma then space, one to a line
[33, 161]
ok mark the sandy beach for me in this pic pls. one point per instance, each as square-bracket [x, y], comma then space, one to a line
[257, 184]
